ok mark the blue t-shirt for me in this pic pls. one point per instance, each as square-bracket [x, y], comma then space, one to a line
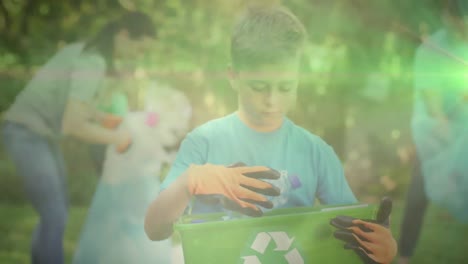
[290, 150]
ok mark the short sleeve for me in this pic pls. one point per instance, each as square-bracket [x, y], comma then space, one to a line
[332, 188]
[87, 77]
[192, 151]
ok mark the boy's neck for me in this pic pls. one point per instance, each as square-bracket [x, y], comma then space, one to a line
[258, 126]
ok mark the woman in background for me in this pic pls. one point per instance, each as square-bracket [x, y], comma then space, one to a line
[57, 103]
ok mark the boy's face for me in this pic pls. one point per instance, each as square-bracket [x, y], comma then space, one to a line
[268, 92]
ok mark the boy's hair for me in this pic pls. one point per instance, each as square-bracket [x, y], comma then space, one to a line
[266, 35]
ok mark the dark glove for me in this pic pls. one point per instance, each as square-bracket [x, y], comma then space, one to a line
[372, 243]
[274, 191]
[237, 187]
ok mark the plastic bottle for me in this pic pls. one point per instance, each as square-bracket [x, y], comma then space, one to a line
[286, 183]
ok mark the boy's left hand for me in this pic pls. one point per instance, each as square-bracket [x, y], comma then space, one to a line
[372, 240]
[378, 244]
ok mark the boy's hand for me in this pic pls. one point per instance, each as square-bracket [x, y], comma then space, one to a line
[124, 142]
[372, 240]
[111, 121]
[240, 188]
[379, 244]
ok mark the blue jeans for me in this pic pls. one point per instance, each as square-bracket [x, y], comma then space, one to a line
[41, 165]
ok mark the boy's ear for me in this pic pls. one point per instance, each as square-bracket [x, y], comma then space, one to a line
[232, 77]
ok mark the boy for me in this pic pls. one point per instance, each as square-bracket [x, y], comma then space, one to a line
[266, 47]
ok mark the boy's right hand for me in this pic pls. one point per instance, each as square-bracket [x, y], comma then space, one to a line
[111, 121]
[241, 186]
[124, 142]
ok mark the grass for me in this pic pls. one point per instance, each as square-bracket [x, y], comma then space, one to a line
[17, 224]
[442, 240]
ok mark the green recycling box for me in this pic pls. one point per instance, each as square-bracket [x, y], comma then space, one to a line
[292, 236]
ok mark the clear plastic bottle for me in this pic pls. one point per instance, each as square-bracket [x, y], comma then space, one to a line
[286, 183]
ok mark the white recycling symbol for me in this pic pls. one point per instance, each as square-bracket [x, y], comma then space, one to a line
[283, 243]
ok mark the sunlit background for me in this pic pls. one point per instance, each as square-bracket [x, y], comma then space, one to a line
[355, 92]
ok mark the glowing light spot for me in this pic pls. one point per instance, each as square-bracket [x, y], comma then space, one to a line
[209, 99]
[350, 121]
[321, 90]
[396, 134]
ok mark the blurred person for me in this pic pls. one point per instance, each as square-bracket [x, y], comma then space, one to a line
[116, 100]
[266, 48]
[57, 103]
[439, 125]
[117, 106]
[113, 231]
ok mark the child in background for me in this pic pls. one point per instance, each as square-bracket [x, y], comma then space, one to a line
[116, 109]
[113, 231]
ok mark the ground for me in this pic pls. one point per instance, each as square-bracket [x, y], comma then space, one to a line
[443, 240]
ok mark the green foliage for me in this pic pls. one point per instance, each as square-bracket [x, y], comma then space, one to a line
[356, 80]
[359, 57]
